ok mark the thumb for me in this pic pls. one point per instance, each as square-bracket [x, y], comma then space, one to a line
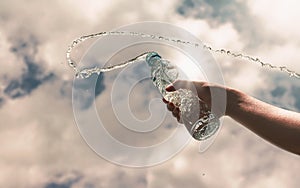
[194, 86]
[183, 84]
[179, 84]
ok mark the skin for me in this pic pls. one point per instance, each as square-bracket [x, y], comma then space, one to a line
[279, 126]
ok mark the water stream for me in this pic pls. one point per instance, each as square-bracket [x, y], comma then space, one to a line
[85, 73]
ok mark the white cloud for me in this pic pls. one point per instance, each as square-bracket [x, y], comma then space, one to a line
[279, 17]
[13, 65]
[223, 36]
[40, 139]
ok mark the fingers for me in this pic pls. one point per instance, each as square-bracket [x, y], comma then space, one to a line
[165, 101]
[176, 114]
[170, 106]
[201, 89]
[175, 111]
[195, 87]
[183, 84]
[170, 88]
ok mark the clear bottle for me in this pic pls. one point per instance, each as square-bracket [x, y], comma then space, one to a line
[164, 73]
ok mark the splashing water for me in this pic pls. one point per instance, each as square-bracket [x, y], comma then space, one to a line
[190, 105]
[85, 73]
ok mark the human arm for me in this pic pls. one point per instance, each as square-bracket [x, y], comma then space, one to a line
[279, 126]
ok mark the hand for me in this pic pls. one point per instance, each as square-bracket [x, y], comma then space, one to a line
[205, 91]
[278, 126]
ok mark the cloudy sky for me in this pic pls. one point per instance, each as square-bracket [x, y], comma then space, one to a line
[40, 142]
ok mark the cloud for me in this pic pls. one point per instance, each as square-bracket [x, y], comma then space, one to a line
[278, 91]
[40, 139]
[28, 83]
[32, 77]
[215, 11]
[295, 93]
[64, 180]
[280, 19]
[235, 12]
[86, 99]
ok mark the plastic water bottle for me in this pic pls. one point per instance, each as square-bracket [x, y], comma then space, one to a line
[164, 73]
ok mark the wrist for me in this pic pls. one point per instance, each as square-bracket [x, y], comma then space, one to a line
[234, 100]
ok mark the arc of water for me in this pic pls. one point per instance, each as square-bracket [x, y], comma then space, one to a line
[87, 72]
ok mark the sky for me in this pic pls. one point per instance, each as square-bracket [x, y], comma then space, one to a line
[41, 145]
